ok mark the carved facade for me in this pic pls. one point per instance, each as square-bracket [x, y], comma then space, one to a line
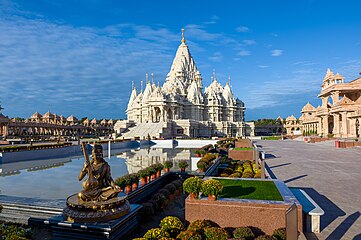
[340, 112]
[182, 103]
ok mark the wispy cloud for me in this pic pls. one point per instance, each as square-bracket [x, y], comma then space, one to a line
[263, 66]
[216, 57]
[276, 52]
[244, 53]
[249, 42]
[242, 29]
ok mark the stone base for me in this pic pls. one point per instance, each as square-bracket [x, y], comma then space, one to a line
[57, 228]
[94, 211]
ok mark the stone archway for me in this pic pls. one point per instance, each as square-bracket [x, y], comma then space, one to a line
[157, 114]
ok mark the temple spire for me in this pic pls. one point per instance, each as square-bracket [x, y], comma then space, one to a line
[183, 39]
[141, 86]
[152, 74]
[214, 75]
[229, 80]
[133, 85]
[146, 78]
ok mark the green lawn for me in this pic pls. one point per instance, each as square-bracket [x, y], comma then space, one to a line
[246, 189]
[272, 138]
[245, 148]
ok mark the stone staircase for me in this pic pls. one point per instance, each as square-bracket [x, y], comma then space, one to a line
[142, 130]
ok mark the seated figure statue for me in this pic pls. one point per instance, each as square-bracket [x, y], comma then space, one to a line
[99, 185]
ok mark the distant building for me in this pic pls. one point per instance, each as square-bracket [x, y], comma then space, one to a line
[269, 127]
[180, 108]
[340, 112]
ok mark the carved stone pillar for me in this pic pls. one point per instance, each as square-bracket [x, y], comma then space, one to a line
[336, 124]
[344, 124]
[335, 97]
[325, 125]
[324, 102]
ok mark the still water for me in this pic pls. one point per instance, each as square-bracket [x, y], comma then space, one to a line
[54, 179]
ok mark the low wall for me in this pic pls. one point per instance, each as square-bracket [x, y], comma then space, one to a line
[350, 144]
[242, 154]
[164, 143]
[193, 143]
[228, 212]
[243, 143]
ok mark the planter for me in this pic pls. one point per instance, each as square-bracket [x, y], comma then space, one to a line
[183, 169]
[176, 192]
[166, 170]
[212, 197]
[171, 197]
[128, 189]
[152, 177]
[201, 170]
[134, 186]
[193, 196]
[198, 155]
[158, 174]
[144, 180]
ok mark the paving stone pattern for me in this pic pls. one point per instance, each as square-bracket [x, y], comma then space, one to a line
[332, 177]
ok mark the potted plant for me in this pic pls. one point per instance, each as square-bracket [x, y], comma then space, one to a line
[196, 152]
[202, 152]
[120, 182]
[158, 168]
[202, 165]
[143, 174]
[128, 183]
[193, 186]
[152, 172]
[167, 165]
[183, 165]
[135, 180]
[212, 188]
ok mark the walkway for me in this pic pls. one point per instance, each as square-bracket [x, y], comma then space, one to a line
[332, 177]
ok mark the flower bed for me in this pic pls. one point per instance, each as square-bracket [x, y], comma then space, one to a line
[14, 231]
[239, 169]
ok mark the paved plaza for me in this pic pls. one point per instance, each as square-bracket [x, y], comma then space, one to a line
[330, 176]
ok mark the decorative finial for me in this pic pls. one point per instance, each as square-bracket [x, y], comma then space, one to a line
[158, 84]
[152, 74]
[183, 39]
[133, 85]
[146, 77]
[229, 80]
[141, 86]
[214, 75]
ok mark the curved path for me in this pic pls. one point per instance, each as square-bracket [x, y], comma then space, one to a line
[332, 177]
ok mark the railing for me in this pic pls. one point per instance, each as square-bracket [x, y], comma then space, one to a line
[259, 157]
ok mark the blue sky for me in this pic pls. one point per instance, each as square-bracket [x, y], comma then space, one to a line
[79, 57]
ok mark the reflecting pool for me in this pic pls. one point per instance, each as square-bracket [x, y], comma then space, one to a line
[56, 179]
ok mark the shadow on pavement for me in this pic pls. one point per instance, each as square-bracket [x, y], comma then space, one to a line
[332, 211]
[270, 156]
[295, 178]
[280, 165]
[344, 226]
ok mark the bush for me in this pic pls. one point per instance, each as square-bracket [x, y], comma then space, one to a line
[120, 182]
[165, 192]
[157, 167]
[177, 183]
[192, 185]
[213, 233]
[134, 178]
[147, 210]
[212, 187]
[265, 237]
[244, 233]
[189, 235]
[143, 173]
[279, 234]
[257, 175]
[155, 234]
[228, 171]
[248, 175]
[172, 225]
[127, 179]
[202, 165]
[224, 175]
[199, 226]
[168, 164]
[151, 170]
[236, 175]
[159, 199]
[183, 164]
[171, 188]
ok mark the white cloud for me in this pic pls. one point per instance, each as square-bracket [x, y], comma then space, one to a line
[242, 29]
[276, 52]
[244, 53]
[249, 42]
[217, 57]
[263, 66]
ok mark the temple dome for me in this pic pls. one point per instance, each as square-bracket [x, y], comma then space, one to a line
[194, 94]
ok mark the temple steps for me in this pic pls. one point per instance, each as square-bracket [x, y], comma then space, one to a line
[154, 130]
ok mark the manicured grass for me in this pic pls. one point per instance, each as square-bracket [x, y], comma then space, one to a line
[246, 189]
[246, 148]
[272, 138]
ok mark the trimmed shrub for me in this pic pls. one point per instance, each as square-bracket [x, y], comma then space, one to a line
[183, 164]
[146, 211]
[192, 185]
[248, 175]
[199, 226]
[189, 235]
[279, 234]
[236, 175]
[168, 164]
[120, 182]
[243, 232]
[143, 173]
[177, 183]
[155, 234]
[172, 225]
[171, 188]
[228, 171]
[265, 237]
[202, 165]
[165, 192]
[257, 175]
[213, 233]
[224, 175]
[212, 187]
[159, 199]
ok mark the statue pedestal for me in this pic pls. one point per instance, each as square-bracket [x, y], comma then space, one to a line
[57, 228]
[95, 211]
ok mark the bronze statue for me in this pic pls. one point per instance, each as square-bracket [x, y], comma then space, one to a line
[99, 185]
[100, 199]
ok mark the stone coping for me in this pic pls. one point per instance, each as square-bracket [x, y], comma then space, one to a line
[287, 195]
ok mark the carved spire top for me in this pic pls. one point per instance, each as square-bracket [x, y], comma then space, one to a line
[141, 86]
[183, 39]
[152, 75]
[146, 78]
[214, 75]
